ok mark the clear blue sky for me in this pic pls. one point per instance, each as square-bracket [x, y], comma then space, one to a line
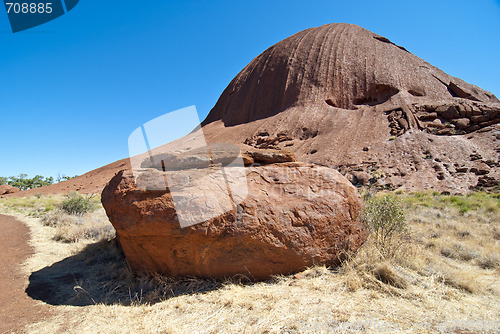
[72, 90]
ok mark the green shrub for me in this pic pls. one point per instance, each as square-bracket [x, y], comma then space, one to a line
[386, 219]
[78, 205]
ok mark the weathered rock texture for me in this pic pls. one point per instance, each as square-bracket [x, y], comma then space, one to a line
[295, 215]
[215, 154]
[344, 97]
[345, 66]
[6, 189]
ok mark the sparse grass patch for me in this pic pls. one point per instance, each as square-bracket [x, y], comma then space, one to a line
[73, 218]
[477, 201]
[459, 252]
[68, 228]
[57, 218]
[462, 280]
[30, 206]
[489, 261]
[93, 226]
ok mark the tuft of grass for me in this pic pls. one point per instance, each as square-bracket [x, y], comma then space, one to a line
[459, 252]
[386, 274]
[489, 261]
[461, 280]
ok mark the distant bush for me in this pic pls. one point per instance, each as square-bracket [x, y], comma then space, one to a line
[386, 219]
[78, 205]
[3, 180]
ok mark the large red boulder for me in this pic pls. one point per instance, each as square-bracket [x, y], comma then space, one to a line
[293, 216]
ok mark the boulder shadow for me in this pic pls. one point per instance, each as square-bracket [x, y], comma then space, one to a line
[99, 274]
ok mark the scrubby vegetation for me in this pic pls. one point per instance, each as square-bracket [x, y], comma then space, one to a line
[441, 271]
[23, 182]
[73, 218]
[30, 206]
[78, 205]
[386, 219]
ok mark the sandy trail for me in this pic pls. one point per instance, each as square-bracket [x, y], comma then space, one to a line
[16, 308]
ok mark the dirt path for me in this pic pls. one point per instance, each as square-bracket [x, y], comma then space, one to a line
[16, 308]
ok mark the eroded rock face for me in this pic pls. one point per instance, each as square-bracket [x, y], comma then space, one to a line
[6, 189]
[341, 66]
[213, 155]
[344, 97]
[295, 215]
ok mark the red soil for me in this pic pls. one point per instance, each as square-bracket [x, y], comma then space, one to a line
[17, 309]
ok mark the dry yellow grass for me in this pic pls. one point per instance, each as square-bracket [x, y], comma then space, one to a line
[444, 277]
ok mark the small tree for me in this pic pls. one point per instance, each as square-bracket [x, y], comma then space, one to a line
[386, 219]
[3, 180]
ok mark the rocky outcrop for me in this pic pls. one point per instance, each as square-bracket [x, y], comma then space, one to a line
[344, 97]
[267, 156]
[293, 215]
[447, 118]
[7, 189]
[338, 66]
[218, 154]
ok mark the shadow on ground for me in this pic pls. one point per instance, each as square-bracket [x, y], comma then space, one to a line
[99, 274]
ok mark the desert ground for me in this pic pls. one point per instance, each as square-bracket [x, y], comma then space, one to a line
[64, 273]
